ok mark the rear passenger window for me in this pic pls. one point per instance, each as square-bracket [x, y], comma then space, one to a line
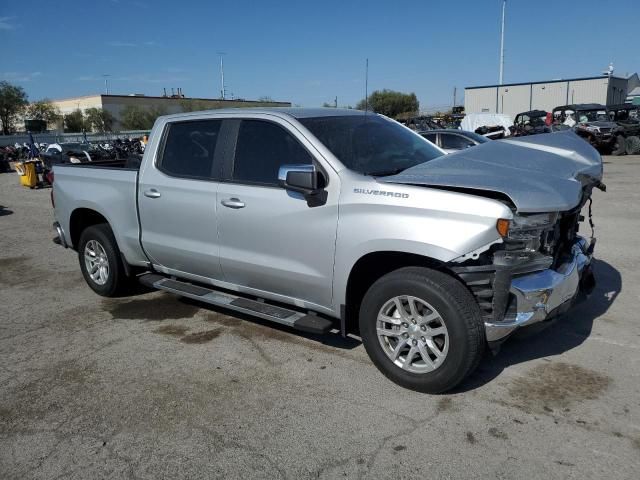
[261, 150]
[189, 148]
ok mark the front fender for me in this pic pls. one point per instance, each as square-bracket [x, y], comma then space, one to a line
[435, 224]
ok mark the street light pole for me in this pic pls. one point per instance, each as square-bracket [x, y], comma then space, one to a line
[504, 6]
[222, 92]
[106, 83]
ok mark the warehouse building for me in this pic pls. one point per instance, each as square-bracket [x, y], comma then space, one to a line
[115, 104]
[514, 98]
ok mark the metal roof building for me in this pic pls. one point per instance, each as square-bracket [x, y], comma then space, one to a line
[514, 98]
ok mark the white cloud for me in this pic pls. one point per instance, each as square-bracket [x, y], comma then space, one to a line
[151, 78]
[118, 43]
[20, 76]
[137, 78]
[121, 44]
[7, 23]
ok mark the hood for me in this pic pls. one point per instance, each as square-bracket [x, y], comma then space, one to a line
[539, 173]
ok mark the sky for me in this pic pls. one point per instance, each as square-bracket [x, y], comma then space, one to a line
[308, 52]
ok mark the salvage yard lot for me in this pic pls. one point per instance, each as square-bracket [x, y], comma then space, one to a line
[153, 386]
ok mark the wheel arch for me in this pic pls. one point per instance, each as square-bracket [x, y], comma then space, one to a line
[80, 219]
[372, 266]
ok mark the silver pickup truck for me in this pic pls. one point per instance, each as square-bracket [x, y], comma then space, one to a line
[323, 219]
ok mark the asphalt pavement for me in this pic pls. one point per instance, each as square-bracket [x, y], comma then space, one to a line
[153, 386]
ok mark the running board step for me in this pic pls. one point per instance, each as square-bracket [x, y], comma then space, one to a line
[291, 318]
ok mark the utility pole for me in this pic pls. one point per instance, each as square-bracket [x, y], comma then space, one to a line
[222, 92]
[504, 6]
[106, 83]
[335, 102]
[366, 86]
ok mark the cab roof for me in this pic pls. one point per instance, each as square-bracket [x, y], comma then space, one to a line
[295, 112]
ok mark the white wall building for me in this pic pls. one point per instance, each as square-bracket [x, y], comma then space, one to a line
[514, 98]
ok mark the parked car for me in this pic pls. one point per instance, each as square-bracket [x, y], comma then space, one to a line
[315, 218]
[627, 131]
[530, 123]
[453, 140]
[590, 121]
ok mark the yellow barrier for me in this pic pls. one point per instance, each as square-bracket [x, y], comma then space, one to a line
[28, 175]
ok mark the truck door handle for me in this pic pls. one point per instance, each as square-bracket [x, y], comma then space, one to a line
[152, 193]
[233, 203]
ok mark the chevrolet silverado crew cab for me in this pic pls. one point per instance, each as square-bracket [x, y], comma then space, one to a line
[323, 219]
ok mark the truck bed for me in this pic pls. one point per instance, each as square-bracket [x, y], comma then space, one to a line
[109, 187]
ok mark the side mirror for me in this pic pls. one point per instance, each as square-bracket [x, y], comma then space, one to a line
[299, 178]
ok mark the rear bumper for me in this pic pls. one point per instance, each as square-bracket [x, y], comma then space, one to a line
[542, 295]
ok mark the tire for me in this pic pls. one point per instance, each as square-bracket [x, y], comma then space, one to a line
[109, 280]
[433, 293]
[633, 145]
[619, 147]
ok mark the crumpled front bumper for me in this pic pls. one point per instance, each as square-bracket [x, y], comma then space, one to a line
[542, 295]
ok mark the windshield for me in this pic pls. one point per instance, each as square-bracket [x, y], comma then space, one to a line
[625, 115]
[371, 144]
[593, 116]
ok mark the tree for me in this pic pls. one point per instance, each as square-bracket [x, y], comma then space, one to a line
[43, 110]
[13, 99]
[99, 120]
[74, 122]
[138, 118]
[390, 103]
[192, 105]
[133, 118]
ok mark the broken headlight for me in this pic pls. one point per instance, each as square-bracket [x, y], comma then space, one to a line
[529, 228]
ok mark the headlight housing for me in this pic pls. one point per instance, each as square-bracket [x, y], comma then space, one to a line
[530, 227]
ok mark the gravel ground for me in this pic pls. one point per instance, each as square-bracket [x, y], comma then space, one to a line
[153, 386]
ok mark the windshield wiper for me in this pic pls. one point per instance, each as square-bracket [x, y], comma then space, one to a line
[385, 173]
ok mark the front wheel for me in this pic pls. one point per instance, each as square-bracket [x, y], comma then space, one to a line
[100, 261]
[422, 329]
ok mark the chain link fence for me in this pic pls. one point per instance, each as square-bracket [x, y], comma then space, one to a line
[70, 137]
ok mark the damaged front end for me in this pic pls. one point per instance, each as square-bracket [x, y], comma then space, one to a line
[535, 274]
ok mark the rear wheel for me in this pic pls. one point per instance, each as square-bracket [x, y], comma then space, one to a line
[100, 261]
[422, 329]
[619, 147]
[633, 145]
